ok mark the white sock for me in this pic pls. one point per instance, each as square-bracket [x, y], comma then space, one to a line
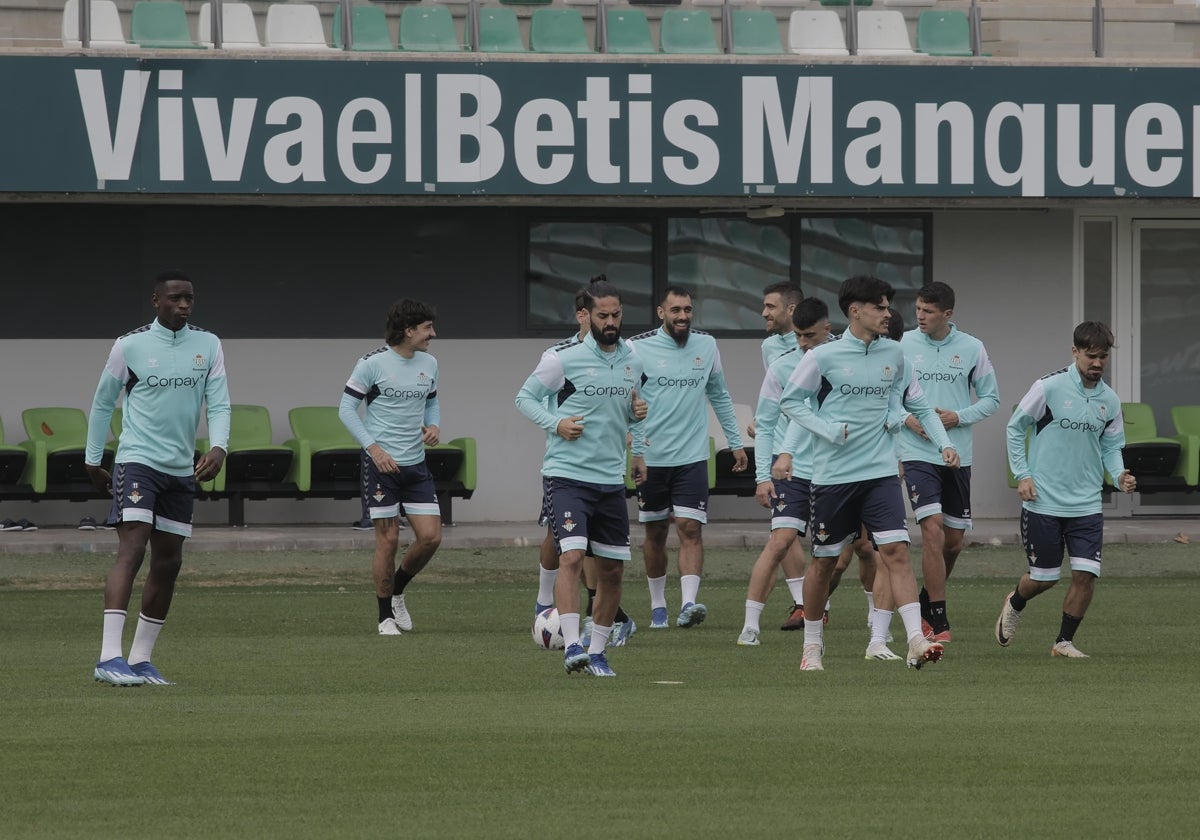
[658, 592]
[814, 632]
[881, 621]
[796, 587]
[114, 628]
[911, 615]
[144, 638]
[546, 578]
[689, 586]
[870, 600]
[753, 614]
[599, 638]
[569, 622]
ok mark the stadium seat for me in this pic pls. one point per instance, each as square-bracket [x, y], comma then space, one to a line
[370, 30]
[756, 32]
[428, 29]
[655, 2]
[845, 2]
[106, 26]
[687, 32]
[722, 480]
[558, 31]
[57, 439]
[816, 33]
[12, 460]
[252, 462]
[326, 459]
[499, 31]
[526, 2]
[454, 466]
[238, 29]
[1186, 419]
[295, 26]
[629, 32]
[883, 33]
[944, 32]
[161, 24]
[1155, 461]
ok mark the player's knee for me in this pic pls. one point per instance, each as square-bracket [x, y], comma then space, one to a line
[689, 530]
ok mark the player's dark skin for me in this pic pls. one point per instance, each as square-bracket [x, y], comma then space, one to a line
[172, 302]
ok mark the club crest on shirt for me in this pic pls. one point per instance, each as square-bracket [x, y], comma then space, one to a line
[198, 362]
[956, 360]
[1103, 409]
[697, 362]
[152, 362]
[887, 372]
[661, 363]
[421, 377]
[568, 522]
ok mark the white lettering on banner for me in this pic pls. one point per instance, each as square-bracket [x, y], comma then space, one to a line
[453, 125]
[225, 160]
[529, 138]
[598, 110]
[641, 131]
[888, 141]
[1031, 173]
[1140, 141]
[348, 136]
[1071, 170]
[929, 118]
[308, 137]
[112, 154]
[813, 108]
[683, 137]
[170, 127]
[412, 128]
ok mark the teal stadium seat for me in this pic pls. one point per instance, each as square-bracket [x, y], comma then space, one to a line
[629, 32]
[943, 32]
[370, 30]
[499, 31]
[688, 32]
[428, 29]
[558, 31]
[161, 24]
[756, 32]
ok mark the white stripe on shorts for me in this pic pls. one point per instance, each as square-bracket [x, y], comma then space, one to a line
[653, 515]
[1085, 564]
[885, 537]
[172, 526]
[612, 552]
[692, 513]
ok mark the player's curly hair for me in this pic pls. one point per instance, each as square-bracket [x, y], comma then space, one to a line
[406, 313]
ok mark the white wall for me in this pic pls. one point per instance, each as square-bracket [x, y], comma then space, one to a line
[1011, 270]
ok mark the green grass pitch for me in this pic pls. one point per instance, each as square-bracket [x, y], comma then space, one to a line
[293, 718]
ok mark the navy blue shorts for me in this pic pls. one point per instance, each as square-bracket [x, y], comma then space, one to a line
[935, 488]
[1045, 537]
[383, 493]
[684, 489]
[143, 494]
[544, 510]
[791, 504]
[584, 514]
[841, 511]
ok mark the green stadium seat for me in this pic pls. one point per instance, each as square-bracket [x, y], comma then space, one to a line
[326, 458]
[688, 32]
[57, 439]
[756, 32]
[454, 467]
[499, 31]
[370, 30]
[12, 460]
[161, 24]
[1155, 461]
[558, 31]
[428, 29]
[1187, 431]
[252, 462]
[943, 32]
[526, 2]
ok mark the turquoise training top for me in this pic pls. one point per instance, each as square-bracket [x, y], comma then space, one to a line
[773, 433]
[1075, 435]
[166, 375]
[851, 395]
[584, 381]
[948, 370]
[676, 382]
[401, 398]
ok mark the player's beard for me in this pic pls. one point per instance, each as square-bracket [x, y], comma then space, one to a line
[606, 336]
[680, 334]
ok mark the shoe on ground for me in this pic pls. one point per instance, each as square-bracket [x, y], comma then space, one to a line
[941, 638]
[691, 615]
[116, 671]
[26, 525]
[621, 632]
[795, 619]
[403, 619]
[575, 659]
[1068, 651]
[1006, 624]
[388, 627]
[598, 665]
[87, 524]
[364, 524]
[658, 618]
[880, 651]
[149, 673]
[9, 525]
[748, 638]
[811, 660]
[922, 652]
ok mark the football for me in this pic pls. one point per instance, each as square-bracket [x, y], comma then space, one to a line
[547, 634]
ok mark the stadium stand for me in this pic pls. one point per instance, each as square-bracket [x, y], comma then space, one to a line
[107, 32]
[816, 33]
[161, 24]
[629, 32]
[239, 31]
[756, 32]
[945, 32]
[558, 31]
[688, 32]
[371, 33]
[295, 26]
[428, 29]
[883, 33]
[499, 31]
